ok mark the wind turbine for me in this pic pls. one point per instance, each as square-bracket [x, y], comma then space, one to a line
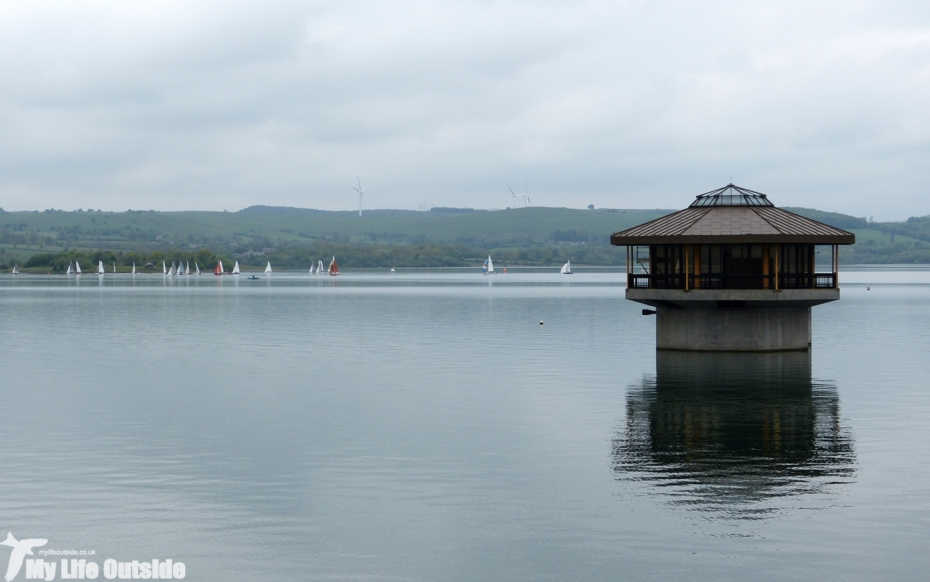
[514, 195]
[360, 191]
[525, 195]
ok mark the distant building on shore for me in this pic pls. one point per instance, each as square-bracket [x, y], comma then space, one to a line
[732, 273]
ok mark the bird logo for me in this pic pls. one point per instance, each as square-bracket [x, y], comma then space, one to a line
[21, 549]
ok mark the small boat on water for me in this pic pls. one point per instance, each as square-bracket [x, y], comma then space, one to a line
[70, 268]
[100, 270]
[77, 268]
[268, 268]
[252, 278]
[567, 269]
[333, 267]
[164, 269]
[235, 270]
[392, 270]
[114, 267]
[319, 268]
[488, 267]
[219, 269]
[197, 267]
[15, 268]
[133, 267]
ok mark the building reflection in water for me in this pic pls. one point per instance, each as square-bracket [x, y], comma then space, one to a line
[733, 432]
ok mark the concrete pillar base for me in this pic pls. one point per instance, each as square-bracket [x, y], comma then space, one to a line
[762, 329]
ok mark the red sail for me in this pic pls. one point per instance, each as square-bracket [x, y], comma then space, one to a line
[218, 270]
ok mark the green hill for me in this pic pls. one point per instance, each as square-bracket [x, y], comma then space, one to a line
[443, 236]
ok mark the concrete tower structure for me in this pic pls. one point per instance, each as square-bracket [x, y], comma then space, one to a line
[732, 273]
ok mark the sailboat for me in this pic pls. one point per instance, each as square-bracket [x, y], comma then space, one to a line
[187, 268]
[70, 268]
[567, 269]
[319, 268]
[311, 268]
[133, 267]
[114, 267]
[196, 266]
[174, 269]
[235, 270]
[268, 268]
[219, 268]
[77, 268]
[164, 268]
[15, 269]
[488, 267]
[392, 269]
[100, 270]
[333, 267]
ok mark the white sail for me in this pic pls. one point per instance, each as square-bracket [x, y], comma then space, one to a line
[221, 268]
[15, 269]
[567, 268]
[77, 268]
[173, 270]
[164, 269]
[488, 266]
[187, 268]
[114, 267]
[392, 269]
[100, 270]
[133, 267]
[70, 268]
[319, 269]
[180, 268]
[196, 266]
[268, 268]
[235, 270]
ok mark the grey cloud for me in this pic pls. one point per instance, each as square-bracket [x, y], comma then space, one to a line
[223, 105]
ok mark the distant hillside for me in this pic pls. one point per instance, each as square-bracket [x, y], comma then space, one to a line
[844, 221]
[533, 235]
[260, 227]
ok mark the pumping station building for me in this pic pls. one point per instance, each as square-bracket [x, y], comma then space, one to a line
[732, 272]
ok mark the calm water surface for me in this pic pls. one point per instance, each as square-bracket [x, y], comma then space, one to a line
[425, 426]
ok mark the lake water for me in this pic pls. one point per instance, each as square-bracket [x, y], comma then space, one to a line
[425, 426]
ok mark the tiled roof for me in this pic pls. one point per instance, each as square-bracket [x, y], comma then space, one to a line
[732, 224]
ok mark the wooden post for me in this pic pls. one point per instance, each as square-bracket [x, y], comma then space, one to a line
[686, 266]
[766, 271]
[776, 266]
[696, 251]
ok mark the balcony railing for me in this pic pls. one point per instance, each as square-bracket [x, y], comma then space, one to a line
[720, 281]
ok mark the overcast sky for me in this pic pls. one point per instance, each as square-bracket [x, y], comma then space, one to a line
[183, 105]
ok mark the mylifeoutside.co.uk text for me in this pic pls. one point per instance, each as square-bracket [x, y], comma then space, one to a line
[67, 552]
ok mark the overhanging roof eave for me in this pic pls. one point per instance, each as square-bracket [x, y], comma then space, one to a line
[733, 239]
